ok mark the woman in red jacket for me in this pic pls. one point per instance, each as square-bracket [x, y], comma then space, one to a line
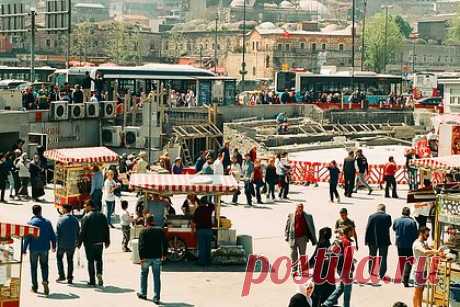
[389, 177]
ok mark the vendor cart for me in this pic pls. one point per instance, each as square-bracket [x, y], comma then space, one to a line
[179, 229]
[73, 172]
[446, 226]
[11, 241]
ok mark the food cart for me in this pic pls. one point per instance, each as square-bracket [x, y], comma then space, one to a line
[73, 171]
[179, 231]
[11, 241]
[446, 228]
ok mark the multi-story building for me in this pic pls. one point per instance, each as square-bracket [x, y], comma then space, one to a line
[90, 12]
[270, 48]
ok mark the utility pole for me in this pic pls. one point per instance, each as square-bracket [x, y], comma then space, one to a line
[363, 34]
[386, 7]
[69, 30]
[33, 14]
[353, 38]
[414, 41]
[243, 63]
[215, 45]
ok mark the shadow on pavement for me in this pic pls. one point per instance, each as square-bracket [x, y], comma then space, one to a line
[175, 305]
[193, 267]
[61, 296]
[114, 290]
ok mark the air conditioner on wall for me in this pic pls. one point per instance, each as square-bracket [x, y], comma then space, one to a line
[92, 109]
[133, 138]
[77, 110]
[112, 136]
[59, 110]
[107, 109]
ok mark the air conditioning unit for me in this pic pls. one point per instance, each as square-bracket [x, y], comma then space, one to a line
[77, 110]
[108, 109]
[59, 110]
[92, 109]
[38, 139]
[112, 136]
[133, 138]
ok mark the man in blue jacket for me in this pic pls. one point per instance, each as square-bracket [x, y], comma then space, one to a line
[405, 229]
[68, 231]
[39, 247]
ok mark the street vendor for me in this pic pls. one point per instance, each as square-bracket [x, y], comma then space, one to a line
[157, 206]
[202, 220]
[190, 204]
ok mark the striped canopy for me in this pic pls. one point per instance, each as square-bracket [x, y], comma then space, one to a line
[445, 163]
[182, 184]
[8, 231]
[82, 155]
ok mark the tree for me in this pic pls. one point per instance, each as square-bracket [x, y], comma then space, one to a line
[404, 26]
[177, 45]
[376, 55]
[82, 41]
[121, 46]
[454, 28]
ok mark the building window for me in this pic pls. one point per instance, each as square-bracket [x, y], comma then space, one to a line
[323, 46]
[279, 46]
[48, 43]
[267, 61]
[287, 47]
[253, 45]
[302, 45]
[340, 47]
[257, 45]
[253, 70]
[313, 47]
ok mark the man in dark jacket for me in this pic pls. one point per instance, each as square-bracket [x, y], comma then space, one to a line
[405, 229]
[226, 153]
[68, 231]
[153, 248]
[39, 247]
[300, 229]
[77, 95]
[378, 239]
[202, 219]
[349, 173]
[363, 170]
[94, 235]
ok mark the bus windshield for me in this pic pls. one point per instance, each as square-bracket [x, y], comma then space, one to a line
[285, 80]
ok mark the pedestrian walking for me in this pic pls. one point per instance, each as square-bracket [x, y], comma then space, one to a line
[300, 229]
[68, 232]
[411, 171]
[202, 219]
[94, 235]
[248, 173]
[3, 177]
[334, 175]
[303, 297]
[235, 171]
[126, 220]
[22, 164]
[340, 247]
[16, 184]
[97, 184]
[405, 229]
[109, 188]
[258, 180]
[421, 250]
[36, 179]
[378, 239]
[363, 171]
[39, 248]
[389, 177]
[282, 170]
[226, 159]
[271, 178]
[349, 173]
[153, 248]
[345, 221]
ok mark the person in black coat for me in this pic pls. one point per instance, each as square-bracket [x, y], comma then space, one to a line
[349, 173]
[378, 238]
[303, 296]
[225, 151]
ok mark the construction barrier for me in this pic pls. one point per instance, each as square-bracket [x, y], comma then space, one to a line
[303, 172]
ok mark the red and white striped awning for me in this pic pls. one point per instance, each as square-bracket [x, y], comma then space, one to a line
[181, 184]
[445, 163]
[82, 155]
[8, 231]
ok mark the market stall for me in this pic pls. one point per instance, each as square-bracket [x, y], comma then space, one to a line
[445, 194]
[11, 236]
[179, 228]
[73, 172]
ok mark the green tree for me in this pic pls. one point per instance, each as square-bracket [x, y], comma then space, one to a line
[121, 46]
[82, 43]
[404, 26]
[376, 54]
[454, 28]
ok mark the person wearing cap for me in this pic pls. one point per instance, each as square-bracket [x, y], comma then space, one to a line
[177, 168]
[345, 221]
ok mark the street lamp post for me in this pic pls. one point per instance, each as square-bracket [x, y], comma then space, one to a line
[353, 34]
[363, 34]
[386, 7]
[215, 46]
[243, 62]
[33, 14]
[413, 36]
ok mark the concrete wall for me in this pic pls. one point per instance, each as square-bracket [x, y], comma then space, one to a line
[370, 117]
[267, 111]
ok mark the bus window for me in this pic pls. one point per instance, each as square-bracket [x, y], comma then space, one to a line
[285, 80]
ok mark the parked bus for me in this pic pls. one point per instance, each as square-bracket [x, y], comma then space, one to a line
[207, 86]
[42, 74]
[425, 84]
[377, 87]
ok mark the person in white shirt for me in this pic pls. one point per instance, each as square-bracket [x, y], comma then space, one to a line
[109, 187]
[126, 220]
[235, 171]
[218, 166]
[22, 163]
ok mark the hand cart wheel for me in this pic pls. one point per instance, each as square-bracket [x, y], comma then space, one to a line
[177, 249]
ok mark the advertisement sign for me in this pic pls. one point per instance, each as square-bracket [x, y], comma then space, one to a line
[449, 140]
